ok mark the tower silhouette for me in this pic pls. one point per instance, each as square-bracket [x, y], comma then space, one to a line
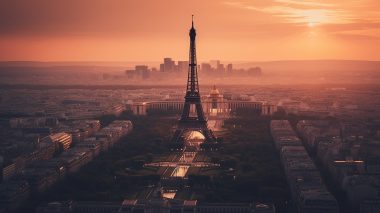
[187, 121]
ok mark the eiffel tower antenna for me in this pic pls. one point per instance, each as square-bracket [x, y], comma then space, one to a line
[192, 21]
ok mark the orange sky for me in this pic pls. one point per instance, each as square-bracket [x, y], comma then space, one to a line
[148, 30]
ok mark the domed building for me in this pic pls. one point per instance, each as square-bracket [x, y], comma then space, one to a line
[214, 104]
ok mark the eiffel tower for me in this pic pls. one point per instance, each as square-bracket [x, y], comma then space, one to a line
[187, 122]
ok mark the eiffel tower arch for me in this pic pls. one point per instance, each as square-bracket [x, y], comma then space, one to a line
[189, 122]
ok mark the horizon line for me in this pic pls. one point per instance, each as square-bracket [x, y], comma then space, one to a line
[154, 61]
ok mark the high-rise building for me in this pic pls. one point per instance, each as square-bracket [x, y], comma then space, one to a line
[220, 68]
[141, 67]
[140, 72]
[229, 68]
[205, 67]
[183, 66]
[169, 65]
[143, 71]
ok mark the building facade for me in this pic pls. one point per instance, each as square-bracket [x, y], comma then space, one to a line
[213, 104]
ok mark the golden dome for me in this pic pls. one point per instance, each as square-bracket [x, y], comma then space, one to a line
[214, 91]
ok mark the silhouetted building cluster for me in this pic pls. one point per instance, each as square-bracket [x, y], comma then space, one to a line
[216, 69]
[170, 66]
[140, 72]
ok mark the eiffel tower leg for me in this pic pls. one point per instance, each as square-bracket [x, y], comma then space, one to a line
[186, 111]
[200, 114]
[209, 135]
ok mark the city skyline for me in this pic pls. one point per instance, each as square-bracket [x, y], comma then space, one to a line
[148, 30]
[185, 135]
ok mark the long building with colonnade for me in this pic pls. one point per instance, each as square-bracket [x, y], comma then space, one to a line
[213, 104]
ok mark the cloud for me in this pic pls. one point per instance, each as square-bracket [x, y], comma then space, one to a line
[286, 10]
[306, 3]
[334, 18]
[356, 36]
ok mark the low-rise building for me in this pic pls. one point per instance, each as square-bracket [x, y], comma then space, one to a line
[307, 189]
[62, 140]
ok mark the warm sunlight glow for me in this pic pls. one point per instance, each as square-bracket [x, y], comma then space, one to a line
[102, 31]
[315, 16]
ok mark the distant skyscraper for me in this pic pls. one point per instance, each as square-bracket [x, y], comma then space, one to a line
[141, 67]
[229, 68]
[162, 68]
[205, 67]
[169, 65]
[220, 68]
[183, 66]
[142, 71]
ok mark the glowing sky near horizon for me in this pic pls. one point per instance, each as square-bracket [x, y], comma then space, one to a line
[148, 30]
